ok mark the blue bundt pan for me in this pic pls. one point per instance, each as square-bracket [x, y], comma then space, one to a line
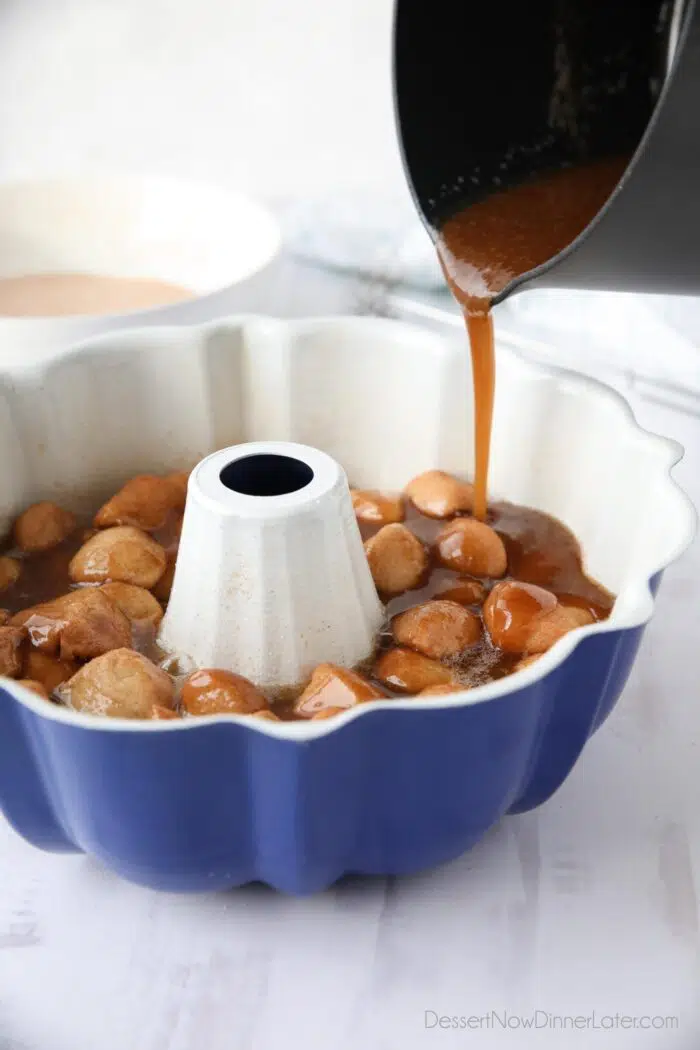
[387, 788]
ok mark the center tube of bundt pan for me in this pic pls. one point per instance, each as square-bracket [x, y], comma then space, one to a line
[271, 576]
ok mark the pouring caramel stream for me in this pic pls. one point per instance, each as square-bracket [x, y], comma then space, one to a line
[487, 245]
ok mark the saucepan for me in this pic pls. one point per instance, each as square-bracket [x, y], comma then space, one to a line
[488, 96]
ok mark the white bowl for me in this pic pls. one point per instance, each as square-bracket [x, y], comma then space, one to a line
[207, 240]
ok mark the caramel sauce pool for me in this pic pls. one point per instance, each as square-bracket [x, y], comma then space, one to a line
[73, 294]
[484, 247]
[540, 549]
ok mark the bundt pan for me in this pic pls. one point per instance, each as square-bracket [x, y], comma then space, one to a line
[391, 787]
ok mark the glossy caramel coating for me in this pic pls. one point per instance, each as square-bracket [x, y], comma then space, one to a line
[216, 692]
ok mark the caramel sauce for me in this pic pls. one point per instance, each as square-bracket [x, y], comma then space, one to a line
[540, 550]
[44, 574]
[487, 245]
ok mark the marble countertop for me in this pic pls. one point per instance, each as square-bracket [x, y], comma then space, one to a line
[588, 906]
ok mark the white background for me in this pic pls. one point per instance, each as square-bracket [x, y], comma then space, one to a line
[588, 904]
[273, 96]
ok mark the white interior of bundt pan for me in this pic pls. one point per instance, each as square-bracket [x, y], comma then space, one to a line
[385, 400]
